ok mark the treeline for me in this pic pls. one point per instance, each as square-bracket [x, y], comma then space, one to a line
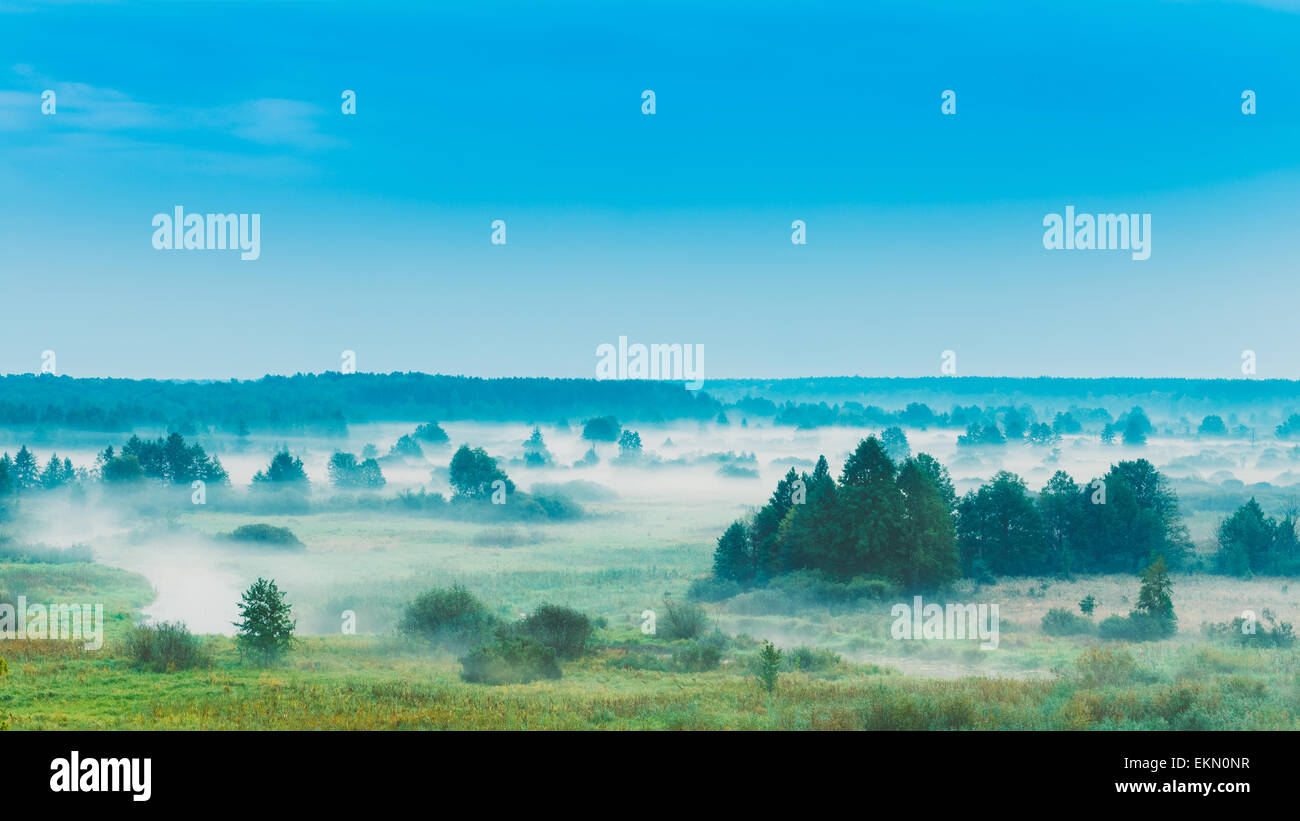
[902, 521]
[327, 402]
[995, 426]
[1118, 391]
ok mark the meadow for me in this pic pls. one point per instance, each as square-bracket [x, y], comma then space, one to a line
[646, 534]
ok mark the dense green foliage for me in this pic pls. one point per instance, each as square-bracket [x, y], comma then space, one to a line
[264, 534]
[452, 618]
[265, 627]
[900, 522]
[564, 630]
[509, 659]
[1251, 543]
[165, 648]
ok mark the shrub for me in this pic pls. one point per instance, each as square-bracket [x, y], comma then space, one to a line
[564, 630]
[816, 587]
[509, 659]
[697, 657]
[1104, 667]
[711, 589]
[1136, 626]
[264, 534]
[41, 553]
[165, 647]
[810, 659]
[681, 621]
[449, 617]
[1062, 622]
[1267, 632]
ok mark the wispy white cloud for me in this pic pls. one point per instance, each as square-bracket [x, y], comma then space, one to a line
[87, 108]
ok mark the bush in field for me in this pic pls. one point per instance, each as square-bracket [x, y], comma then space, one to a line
[564, 630]
[681, 621]
[1266, 632]
[1062, 622]
[165, 647]
[697, 657]
[1105, 667]
[818, 587]
[448, 617]
[810, 659]
[1136, 626]
[1153, 618]
[264, 534]
[265, 626]
[509, 659]
[712, 589]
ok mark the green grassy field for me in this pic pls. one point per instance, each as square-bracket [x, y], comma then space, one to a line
[384, 682]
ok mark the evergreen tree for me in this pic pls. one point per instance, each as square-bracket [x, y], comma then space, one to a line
[265, 627]
[26, 470]
[1245, 541]
[732, 559]
[1154, 597]
[535, 452]
[928, 534]
[283, 470]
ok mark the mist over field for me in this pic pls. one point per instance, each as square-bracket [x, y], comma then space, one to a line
[646, 527]
[579, 366]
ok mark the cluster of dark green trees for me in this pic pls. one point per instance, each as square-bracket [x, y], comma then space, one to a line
[169, 459]
[1253, 544]
[902, 521]
[23, 472]
[346, 471]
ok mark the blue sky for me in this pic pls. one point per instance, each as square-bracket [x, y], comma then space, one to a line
[924, 230]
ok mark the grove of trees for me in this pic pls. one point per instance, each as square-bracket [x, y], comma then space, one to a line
[901, 520]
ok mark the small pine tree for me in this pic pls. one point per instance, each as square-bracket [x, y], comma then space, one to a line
[1088, 605]
[769, 666]
[265, 626]
[1154, 598]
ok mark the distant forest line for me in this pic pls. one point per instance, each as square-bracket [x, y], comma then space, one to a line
[327, 403]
